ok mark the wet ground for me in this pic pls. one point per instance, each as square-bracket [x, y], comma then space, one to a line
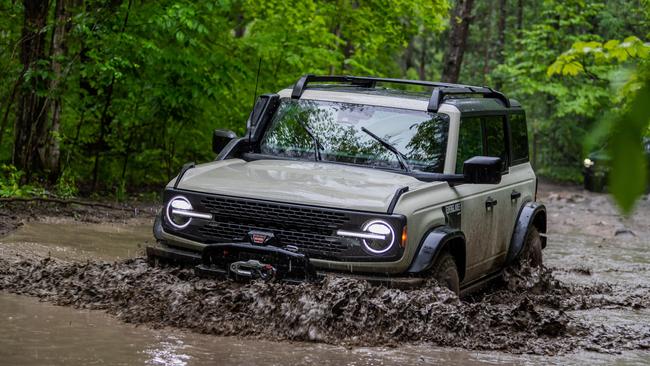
[591, 306]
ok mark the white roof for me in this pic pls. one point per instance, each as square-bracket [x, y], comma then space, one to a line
[360, 98]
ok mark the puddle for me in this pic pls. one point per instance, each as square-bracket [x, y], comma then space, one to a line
[69, 239]
[589, 259]
[35, 333]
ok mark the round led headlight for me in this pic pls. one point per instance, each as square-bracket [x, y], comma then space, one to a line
[384, 236]
[176, 205]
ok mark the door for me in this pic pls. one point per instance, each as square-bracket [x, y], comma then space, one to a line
[520, 181]
[485, 208]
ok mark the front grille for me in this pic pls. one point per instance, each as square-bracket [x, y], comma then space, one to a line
[318, 246]
[310, 229]
[260, 211]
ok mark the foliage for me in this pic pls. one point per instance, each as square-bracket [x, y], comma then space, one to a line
[599, 54]
[628, 120]
[143, 84]
[559, 111]
[10, 185]
[629, 174]
[66, 186]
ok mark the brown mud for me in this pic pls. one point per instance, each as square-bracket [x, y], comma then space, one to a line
[581, 302]
[529, 315]
[15, 214]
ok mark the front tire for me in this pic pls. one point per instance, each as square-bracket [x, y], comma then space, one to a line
[445, 272]
[532, 251]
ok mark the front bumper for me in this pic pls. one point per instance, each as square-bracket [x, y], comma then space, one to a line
[187, 252]
[186, 257]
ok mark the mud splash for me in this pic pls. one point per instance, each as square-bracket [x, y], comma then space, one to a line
[529, 315]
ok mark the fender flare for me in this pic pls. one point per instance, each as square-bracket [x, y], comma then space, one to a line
[434, 242]
[531, 214]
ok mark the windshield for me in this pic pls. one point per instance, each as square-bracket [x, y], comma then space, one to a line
[305, 129]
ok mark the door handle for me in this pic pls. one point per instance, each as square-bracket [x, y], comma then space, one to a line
[515, 195]
[490, 203]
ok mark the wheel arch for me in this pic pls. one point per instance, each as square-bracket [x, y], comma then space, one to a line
[435, 242]
[531, 215]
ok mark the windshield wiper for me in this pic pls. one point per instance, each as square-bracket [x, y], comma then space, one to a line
[317, 145]
[400, 157]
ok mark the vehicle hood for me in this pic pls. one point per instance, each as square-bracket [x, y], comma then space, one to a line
[300, 182]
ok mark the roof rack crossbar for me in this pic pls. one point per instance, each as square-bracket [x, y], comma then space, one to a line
[440, 90]
[439, 94]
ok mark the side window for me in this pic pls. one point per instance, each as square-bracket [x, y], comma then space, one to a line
[495, 133]
[470, 141]
[519, 134]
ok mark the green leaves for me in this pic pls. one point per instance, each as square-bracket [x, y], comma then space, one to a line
[629, 172]
[629, 118]
[142, 96]
[613, 52]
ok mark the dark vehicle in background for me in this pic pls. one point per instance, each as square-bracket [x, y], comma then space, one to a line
[595, 168]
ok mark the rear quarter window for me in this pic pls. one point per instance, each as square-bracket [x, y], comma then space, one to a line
[519, 134]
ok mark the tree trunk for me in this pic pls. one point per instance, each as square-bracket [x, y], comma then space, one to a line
[106, 118]
[520, 16]
[501, 39]
[458, 33]
[50, 153]
[501, 31]
[31, 113]
[12, 97]
[422, 67]
[487, 41]
[409, 54]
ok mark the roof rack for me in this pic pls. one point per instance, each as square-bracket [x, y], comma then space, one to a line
[440, 90]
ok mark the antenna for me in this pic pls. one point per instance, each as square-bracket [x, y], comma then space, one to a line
[257, 81]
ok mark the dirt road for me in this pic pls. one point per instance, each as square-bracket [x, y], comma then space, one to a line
[592, 301]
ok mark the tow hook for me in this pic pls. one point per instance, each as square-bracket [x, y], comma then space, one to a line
[253, 269]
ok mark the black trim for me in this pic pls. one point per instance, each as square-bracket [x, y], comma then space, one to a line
[513, 161]
[393, 202]
[268, 104]
[525, 219]
[232, 147]
[216, 259]
[440, 90]
[184, 169]
[165, 252]
[431, 246]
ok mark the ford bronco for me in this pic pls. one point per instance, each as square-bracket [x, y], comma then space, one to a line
[343, 175]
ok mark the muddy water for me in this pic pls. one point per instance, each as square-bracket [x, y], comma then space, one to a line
[70, 239]
[35, 333]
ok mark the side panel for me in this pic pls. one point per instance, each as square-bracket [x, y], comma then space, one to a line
[424, 209]
[519, 188]
[480, 225]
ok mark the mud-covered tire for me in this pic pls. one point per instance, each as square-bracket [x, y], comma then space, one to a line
[532, 250]
[445, 272]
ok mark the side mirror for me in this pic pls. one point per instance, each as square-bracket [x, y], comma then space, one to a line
[482, 170]
[221, 138]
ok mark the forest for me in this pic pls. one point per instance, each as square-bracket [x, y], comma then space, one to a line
[112, 97]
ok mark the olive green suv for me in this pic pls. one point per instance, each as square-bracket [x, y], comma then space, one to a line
[344, 175]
